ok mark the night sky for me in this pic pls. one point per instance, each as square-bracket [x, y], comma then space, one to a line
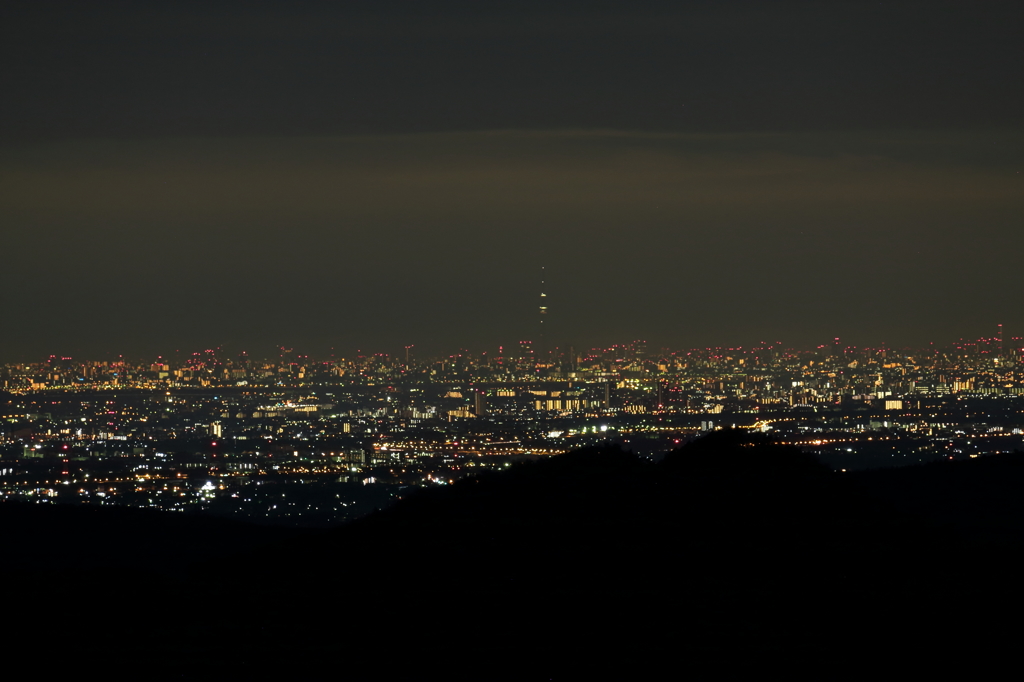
[369, 175]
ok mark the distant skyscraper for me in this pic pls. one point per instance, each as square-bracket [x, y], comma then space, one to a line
[543, 311]
[526, 352]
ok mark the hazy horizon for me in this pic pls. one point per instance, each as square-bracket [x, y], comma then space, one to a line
[177, 177]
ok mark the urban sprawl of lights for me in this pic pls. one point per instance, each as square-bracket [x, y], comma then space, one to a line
[301, 441]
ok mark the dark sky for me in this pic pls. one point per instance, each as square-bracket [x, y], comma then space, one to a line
[372, 175]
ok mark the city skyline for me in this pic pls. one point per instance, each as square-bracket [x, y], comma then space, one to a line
[214, 433]
[997, 342]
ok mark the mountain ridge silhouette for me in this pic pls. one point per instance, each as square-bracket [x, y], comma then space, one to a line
[732, 549]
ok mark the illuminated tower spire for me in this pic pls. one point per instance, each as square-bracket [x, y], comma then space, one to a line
[543, 304]
[542, 312]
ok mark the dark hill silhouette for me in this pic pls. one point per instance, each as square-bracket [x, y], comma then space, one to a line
[741, 453]
[90, 540]
[733, 552]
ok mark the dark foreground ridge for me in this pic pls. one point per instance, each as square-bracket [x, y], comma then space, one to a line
[733, 555]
